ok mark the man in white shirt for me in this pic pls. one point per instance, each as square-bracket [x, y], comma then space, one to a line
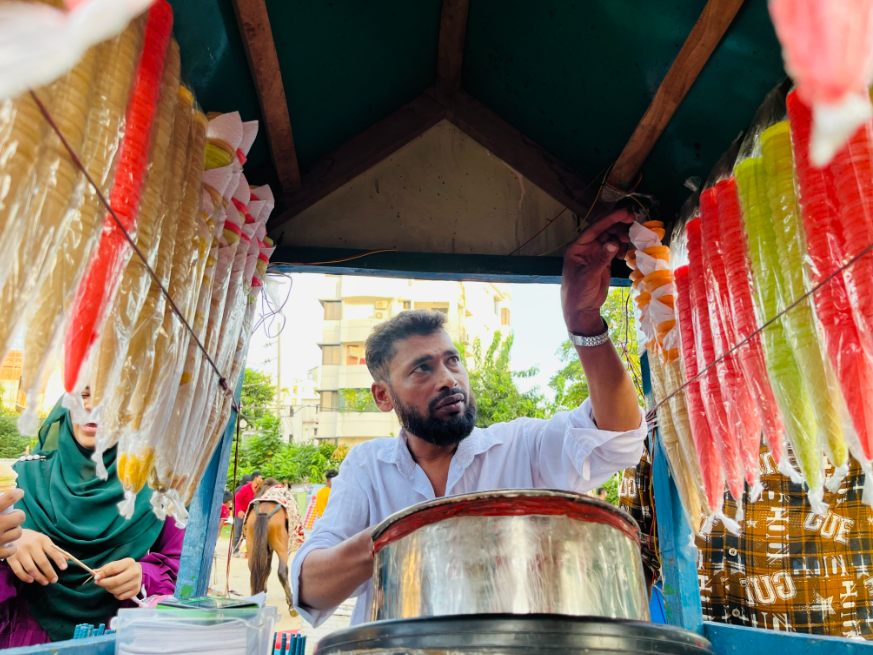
[419, 375]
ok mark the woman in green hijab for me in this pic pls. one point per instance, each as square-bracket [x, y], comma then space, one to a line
[68, 509]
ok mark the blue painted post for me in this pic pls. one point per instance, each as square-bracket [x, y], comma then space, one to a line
[201, 534]
[675, 539]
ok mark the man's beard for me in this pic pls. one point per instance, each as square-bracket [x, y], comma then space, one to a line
[440, 432]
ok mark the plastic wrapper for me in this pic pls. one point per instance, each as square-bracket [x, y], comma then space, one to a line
[715, 402]
[743, 415]
[39, 43]
[828, 51]
[708, 453]
[100, 280]
[743, 322]
[153, 401]
[51, 298]
[34, 242]
[825, 241]
[124, 338]
[800, 326]
[655, 298]
[786, 377]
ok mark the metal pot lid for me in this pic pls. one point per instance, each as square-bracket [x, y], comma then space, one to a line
[506, 502]
[528, 634]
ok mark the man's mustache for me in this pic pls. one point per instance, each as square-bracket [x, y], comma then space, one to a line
[432, 405]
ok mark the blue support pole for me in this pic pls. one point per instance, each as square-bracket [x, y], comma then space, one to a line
[675, 539]
[201, 534]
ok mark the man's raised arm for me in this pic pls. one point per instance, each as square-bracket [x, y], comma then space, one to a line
[584, 287]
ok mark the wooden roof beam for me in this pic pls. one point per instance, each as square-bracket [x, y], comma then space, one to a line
[520, 152]
[702, 41]
[360, 154]
[450, 56]
[257, 36]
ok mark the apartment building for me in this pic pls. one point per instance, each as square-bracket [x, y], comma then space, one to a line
[347, 413]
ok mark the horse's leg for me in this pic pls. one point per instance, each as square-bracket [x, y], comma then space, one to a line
[279, 543]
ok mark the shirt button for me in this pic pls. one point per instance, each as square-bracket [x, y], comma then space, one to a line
[733, 553]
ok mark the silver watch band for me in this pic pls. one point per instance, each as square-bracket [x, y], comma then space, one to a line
[591, 342]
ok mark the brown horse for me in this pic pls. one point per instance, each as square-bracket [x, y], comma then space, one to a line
[266, 530]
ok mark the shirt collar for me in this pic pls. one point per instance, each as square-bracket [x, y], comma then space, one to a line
[396, 451]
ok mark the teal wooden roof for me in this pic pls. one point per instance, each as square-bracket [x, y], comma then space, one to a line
[575, 76]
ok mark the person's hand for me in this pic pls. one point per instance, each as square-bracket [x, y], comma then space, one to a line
[586, 274]
[122, 578]
[35, 559]
[10, 524]
[240, 515]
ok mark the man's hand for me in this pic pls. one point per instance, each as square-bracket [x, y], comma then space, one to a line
[330, 575]
[584, 287]
[10, 524]
[35, 559]
[586, 274]
[240, 515]
[122, 579]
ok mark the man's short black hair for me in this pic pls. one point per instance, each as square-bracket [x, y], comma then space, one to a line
[256, 474]
[332, 473]
[380, 344]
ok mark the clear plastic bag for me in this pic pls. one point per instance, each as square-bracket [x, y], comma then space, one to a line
[828, 51]
[100, 279]
[655, 295]
[39, 43]
[52, 296]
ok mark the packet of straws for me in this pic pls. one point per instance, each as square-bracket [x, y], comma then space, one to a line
[166, 631]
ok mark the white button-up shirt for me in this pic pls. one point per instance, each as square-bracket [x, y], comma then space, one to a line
[379, 477]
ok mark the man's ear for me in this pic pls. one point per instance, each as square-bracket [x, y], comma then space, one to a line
[382, 396]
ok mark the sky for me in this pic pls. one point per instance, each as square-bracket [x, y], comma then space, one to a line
[537, 323]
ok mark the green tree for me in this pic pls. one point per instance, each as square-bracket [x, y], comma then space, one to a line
[494, 387]
[258, 395]
[569, 383]
[12, 443]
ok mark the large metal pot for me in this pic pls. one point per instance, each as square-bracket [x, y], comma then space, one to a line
[530, 634]
[516, 551]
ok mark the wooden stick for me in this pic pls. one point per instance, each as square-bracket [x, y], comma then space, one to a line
[706, 34]
[257, 36]
[450, 56]
[76, 561]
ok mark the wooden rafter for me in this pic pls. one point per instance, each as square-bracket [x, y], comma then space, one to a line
[450, 57]
[524, 155]
[362, 153]
[704, 37]
[257, 36]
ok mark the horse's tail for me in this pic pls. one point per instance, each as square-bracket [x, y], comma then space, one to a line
[260, 555]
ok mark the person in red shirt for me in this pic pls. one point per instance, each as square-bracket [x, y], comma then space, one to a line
[244, 495]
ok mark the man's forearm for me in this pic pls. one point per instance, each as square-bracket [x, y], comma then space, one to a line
[613, 397]
[330, 575]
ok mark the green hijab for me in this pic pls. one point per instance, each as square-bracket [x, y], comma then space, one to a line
[66, 501]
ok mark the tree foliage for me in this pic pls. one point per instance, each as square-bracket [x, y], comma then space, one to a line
[494, 387]
[263, 448]
[12, 444]
[569, 383]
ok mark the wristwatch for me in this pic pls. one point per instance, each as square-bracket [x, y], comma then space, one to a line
[591, 342]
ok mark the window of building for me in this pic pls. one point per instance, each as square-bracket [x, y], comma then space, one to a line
[354, 354]
[333, 310]
[407, 304]
[329, 401]
[504, 316]
[330, 355]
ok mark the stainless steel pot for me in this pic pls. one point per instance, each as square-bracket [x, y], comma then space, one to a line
[504, 634]
[515, 551]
